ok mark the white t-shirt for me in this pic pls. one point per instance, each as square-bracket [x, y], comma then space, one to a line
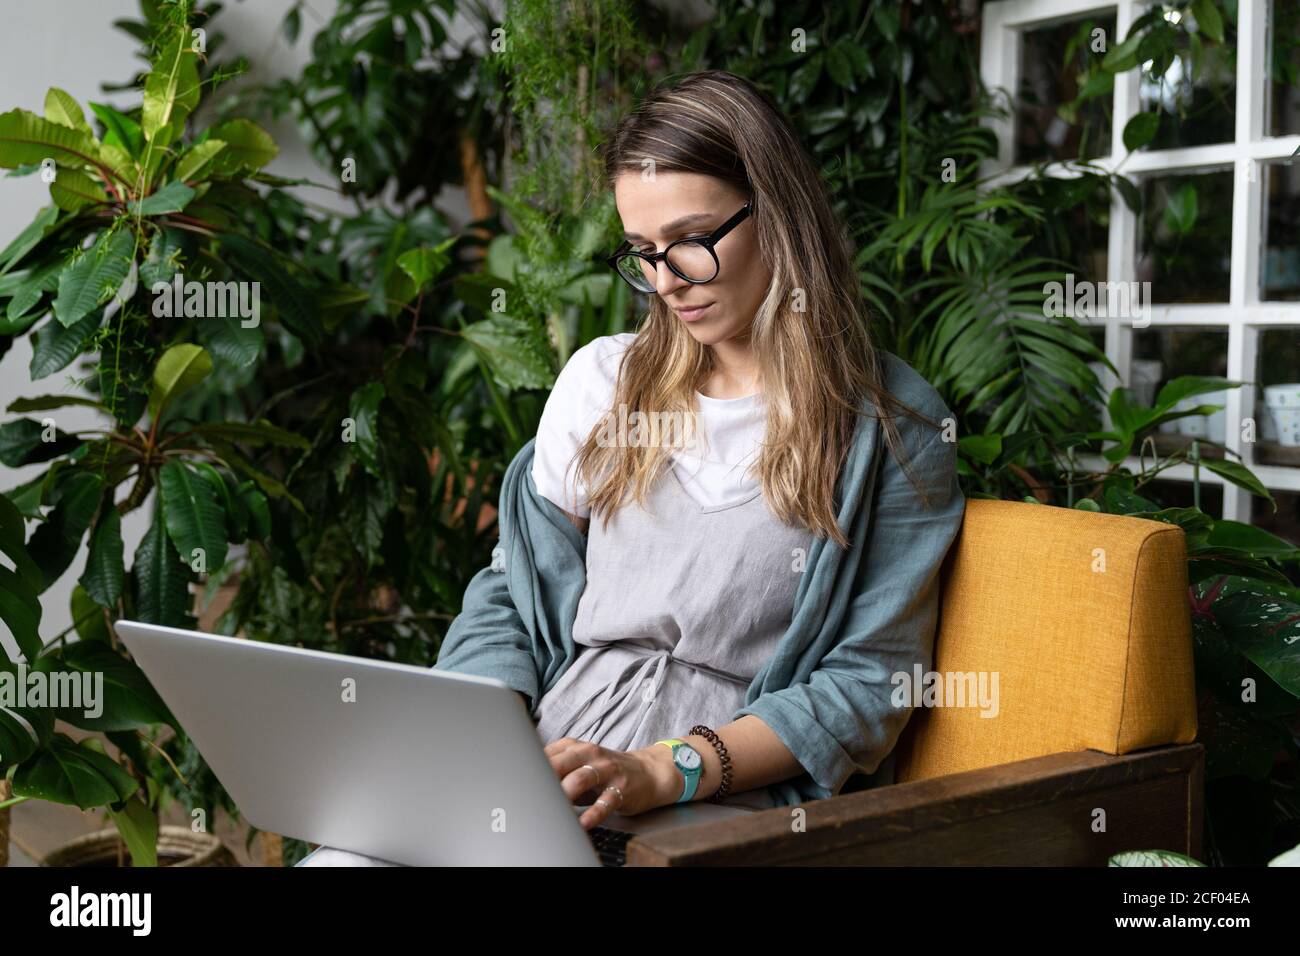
[714, 473]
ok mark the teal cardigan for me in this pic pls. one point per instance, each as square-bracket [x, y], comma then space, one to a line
[860, 615]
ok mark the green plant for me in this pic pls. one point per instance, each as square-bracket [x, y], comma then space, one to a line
[133, 206]
[1169, 858]
[445, 376]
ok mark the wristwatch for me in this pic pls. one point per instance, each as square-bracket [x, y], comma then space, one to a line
[689, 762]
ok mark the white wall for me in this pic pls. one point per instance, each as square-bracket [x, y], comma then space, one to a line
[71, 44]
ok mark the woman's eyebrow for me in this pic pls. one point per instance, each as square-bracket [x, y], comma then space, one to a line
[676, 224]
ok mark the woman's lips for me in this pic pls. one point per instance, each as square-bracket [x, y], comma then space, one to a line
[691, 315]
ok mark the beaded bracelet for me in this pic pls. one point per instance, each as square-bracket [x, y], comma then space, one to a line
[699, 730]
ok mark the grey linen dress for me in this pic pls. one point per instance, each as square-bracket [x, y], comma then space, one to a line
[684, 604]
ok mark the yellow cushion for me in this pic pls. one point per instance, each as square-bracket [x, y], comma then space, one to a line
[1084, 619]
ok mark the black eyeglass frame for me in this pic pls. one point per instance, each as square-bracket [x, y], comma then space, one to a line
[654, 259]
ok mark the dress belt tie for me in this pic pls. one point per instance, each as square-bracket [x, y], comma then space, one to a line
[621, 694]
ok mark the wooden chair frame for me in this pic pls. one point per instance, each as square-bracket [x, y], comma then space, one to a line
[1036, 812]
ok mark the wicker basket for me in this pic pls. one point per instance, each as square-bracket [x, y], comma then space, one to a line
[177, 846]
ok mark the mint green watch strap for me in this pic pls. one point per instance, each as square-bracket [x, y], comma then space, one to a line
[692, 774]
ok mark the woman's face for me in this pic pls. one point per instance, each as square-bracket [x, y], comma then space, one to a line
[655, 212]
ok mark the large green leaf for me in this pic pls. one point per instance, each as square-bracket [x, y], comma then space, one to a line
[363, 408]
[423, 265]
[171, 90]
[1208, 19]
[173, 197]
[515, 353]
[248, 148]
[56, 346]
[72, 189]
[61, 108]
[1152, 858]
[87, 617]
[56, 541]
[121, 131]
[24, 308]
[1265, 628]
[1254, 541]
[29, 238]
[138, 826]
[1140, 130]
[45, 403]
[128, 700]
[94, 276]
[256, 433]
[22, 442]
[1185, 386]
[71, 773]
[26, 139]
[105, 566]
[161, 581]
[269, 484]
[164, 259]
[196, 162]
[22, 729]
[1239, 475]
[180, 369]
[20, 610]
[13, 530]
[192, 511]
[231, 342]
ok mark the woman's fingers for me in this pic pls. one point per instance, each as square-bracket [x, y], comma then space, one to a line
[586, 768]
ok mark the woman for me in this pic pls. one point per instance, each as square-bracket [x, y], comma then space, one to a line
[690, 588]
[731, 638]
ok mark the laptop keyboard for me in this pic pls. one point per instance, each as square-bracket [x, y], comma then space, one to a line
[610, 845]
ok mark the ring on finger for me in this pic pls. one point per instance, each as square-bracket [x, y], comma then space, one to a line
[593, 770]
[616, 790]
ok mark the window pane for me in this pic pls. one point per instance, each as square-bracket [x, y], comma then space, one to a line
[1280, 253]
[1064, 99]
[1284, 68]
[1185, 236]
[1286, 523]
[1160, 355]
[1277, 409]
[1197, 93]
[1180, 494]
[1077, 233]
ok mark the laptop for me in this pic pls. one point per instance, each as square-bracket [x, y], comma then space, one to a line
[395, 762]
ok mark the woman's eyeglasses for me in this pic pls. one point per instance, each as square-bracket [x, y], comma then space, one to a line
[693, 259]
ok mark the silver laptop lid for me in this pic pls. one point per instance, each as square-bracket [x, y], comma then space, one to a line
[394, 761]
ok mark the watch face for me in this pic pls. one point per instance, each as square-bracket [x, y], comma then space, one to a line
[688, 757]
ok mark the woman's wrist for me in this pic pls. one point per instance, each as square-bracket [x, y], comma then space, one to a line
[711, 779]
[669, 780]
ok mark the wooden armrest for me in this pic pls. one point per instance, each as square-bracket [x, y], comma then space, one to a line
[1041, 811]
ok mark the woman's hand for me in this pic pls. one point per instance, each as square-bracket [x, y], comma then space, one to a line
[643, 778]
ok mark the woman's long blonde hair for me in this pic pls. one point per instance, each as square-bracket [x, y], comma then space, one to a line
[816, 361]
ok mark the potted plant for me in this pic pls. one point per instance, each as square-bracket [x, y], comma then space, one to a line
[99, 267]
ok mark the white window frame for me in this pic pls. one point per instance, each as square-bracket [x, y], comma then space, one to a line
[1244, 316]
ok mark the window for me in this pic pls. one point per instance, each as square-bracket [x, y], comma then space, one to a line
[1219, 234]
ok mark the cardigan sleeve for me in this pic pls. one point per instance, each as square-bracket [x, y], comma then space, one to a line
[841, 718]
[515, 623]
[488, 637]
